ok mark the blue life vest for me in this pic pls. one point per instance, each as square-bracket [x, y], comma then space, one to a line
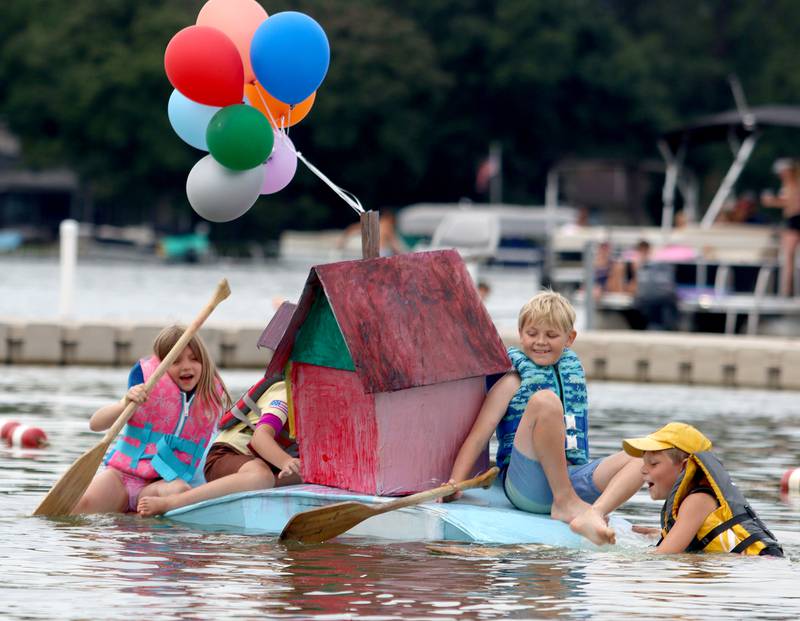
[568, 381]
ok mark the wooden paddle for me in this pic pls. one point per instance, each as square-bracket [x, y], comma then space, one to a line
[323, 523]
[66, 493]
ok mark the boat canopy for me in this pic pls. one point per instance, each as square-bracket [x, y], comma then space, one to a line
[719, 127]
[740, 128]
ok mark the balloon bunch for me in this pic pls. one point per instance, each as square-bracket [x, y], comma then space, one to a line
[241, 78]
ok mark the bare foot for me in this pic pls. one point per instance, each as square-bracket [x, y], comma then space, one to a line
[153, 505]
[568, 511]
[594, 526]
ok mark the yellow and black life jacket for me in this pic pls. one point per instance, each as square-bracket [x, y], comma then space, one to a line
[733, 526]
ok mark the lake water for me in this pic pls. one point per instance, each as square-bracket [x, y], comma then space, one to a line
[120, 567]
[124, 291]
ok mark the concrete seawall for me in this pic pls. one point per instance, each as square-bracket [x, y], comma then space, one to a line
[658, 357]
[117, 344]
[683, 358]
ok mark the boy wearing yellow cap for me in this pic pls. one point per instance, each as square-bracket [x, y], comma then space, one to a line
[703, 511]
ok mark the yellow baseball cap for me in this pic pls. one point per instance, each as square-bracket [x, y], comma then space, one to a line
[672, 435]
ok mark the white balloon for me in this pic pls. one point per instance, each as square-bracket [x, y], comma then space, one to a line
[220, 194]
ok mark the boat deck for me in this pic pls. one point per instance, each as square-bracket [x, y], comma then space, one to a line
[480, 516]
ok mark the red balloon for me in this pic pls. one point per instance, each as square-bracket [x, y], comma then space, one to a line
[205, 66]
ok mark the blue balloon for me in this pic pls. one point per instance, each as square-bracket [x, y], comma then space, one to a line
[190, 119]
[290, 56]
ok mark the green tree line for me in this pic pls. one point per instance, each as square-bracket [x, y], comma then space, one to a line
[415, 93]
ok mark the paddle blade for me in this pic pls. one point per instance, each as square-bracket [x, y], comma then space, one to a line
[323, 523]
[66, 493]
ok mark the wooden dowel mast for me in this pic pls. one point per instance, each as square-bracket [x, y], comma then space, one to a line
[370, 235]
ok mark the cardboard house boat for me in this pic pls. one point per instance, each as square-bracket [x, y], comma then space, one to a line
[386, 361]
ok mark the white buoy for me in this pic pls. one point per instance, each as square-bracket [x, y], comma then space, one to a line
[68, 241]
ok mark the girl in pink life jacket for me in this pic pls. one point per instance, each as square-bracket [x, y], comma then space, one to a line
[162, 444]
[254, 450]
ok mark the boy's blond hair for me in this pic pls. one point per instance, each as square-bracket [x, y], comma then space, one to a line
[550, 308]
[676, 455]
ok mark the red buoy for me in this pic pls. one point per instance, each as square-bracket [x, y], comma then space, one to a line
[790, 481]
[22, 436]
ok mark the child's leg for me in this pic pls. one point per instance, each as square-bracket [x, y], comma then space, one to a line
[164, 488]
[254, 474]
[540, 437]
[618, 477]
[105, 494]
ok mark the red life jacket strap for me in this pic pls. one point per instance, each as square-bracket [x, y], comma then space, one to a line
[248, 403]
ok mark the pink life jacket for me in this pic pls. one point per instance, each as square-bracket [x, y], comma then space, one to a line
[167, 435]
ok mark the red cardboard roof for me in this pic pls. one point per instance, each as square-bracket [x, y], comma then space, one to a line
[409, 320]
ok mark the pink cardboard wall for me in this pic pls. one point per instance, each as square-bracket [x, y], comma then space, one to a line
[420, 431]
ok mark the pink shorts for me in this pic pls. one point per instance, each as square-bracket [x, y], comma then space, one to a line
[134, 486]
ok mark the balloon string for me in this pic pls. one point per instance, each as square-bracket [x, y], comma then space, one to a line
[266, 107]
[348, 197]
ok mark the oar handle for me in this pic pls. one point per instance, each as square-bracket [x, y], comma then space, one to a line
[223, 291]
[482, 480]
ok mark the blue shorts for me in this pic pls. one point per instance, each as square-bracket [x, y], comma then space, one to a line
[527, 488]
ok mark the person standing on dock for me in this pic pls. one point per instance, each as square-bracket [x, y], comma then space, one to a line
[787, 199]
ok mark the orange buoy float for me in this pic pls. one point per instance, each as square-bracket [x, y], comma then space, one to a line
[22, 436]
[790, 482]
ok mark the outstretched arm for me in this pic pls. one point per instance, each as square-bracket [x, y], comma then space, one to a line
[691, 515]
[778, 201]
[492, 410]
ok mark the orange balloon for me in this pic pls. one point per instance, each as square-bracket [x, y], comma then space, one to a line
[284, 115]
[238, 20]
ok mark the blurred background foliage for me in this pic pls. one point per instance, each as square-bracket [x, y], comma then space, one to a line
[416, 92]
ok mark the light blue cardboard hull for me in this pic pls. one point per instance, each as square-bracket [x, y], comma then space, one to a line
[480, 516]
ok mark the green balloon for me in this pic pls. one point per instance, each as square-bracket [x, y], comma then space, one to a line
[239, 137]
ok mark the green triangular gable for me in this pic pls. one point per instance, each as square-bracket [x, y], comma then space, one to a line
[320, 341]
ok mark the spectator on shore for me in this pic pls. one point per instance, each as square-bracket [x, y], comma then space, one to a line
[745, 210]
[390, 243]
[483, 290]
[604, 280]
[788, 199]
[623, 273]
[652, 285]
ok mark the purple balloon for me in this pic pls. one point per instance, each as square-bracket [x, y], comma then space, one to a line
[281, 165]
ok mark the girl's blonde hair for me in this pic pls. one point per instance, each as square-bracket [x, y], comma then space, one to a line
[210, 388]
[548, 307]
